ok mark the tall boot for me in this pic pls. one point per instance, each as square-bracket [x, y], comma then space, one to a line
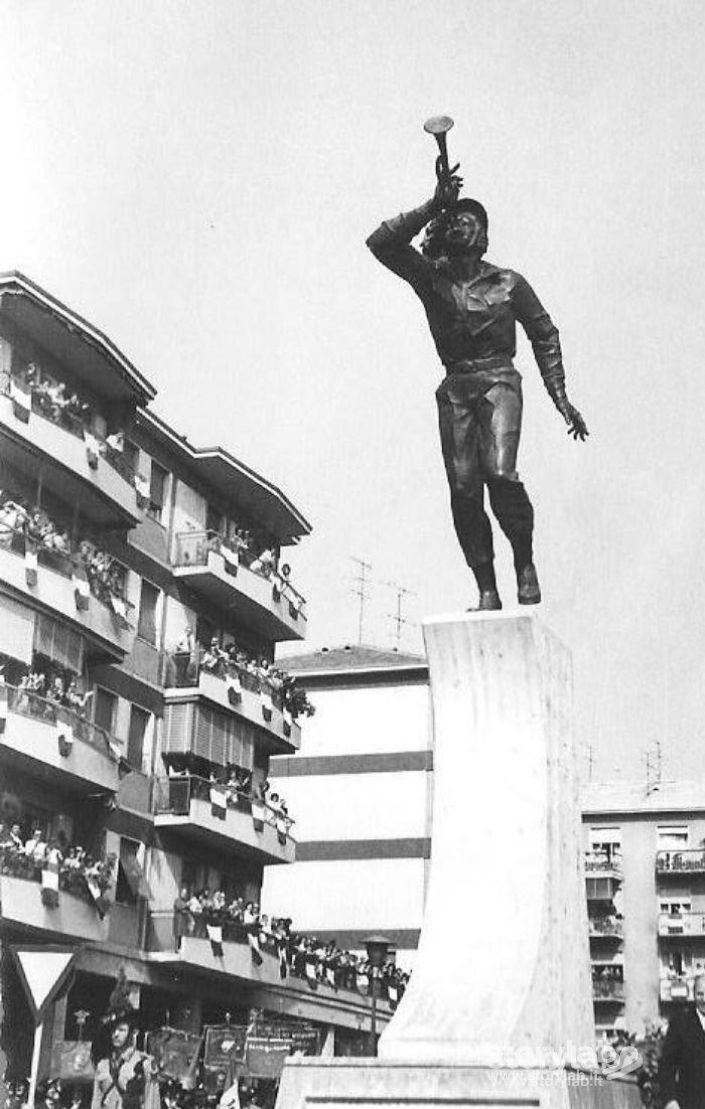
[515, 515]
[487, 587]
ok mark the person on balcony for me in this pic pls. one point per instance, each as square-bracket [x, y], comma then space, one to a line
[265, 564]
[183, 653]
[183, 918]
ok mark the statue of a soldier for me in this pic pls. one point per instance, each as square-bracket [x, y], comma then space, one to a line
[472, 308]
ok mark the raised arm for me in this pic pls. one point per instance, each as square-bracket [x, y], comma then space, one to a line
[391, 241]
[543, 336]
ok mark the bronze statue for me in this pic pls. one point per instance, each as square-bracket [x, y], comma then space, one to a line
[472, 308]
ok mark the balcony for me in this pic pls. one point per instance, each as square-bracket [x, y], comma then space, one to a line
[678, 990]
[598, 864]
[98, 483]
[216, 573]
[55, 744]
[221, 819]
[607, 991]
[681, 924]
[21, 905]
[55, 590]
[340, 1007]
[605, 928]
[237, 691]
[691, 861]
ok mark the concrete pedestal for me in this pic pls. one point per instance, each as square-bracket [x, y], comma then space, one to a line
[499, 1006]
[503, 961]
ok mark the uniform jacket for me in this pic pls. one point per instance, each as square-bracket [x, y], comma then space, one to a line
[474, 319]
[682, 1068]
[126, 1081]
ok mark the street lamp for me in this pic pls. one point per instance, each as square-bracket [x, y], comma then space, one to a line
[377, 948]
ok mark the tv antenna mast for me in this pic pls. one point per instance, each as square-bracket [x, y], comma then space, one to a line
[362, 582]
[396, 617]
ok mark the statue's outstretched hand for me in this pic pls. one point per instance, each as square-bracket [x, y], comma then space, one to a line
[576, 424]
[448, 186]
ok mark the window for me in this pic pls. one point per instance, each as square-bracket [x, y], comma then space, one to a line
[104, 706]
[606, 841]
[147, 622]
[139, 721]
[214, 520]
[131, 883]
[131, 456]
[672, 836]
[59, 643]
[673, 908]
[157, 490]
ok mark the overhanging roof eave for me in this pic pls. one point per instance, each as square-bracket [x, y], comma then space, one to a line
[23, 285]
[201, 460]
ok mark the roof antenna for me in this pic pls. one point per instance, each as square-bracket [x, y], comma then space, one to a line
[396, 617]
[362, 582]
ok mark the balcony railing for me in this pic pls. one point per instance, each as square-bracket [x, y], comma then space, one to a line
[344, 998]
[52, 582]
[63, 906]
[218, 813]
[681, 924]
[607, 989]
[26, 703]
[266, 598]
[690, 861]
[235, 688]
[605, 928]
[600, 863]
[70, 440]
[677, 989]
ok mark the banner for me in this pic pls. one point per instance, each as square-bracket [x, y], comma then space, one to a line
[215, 935]
[92, 448]
[173, 1050]
[81, 590]
[50, 888]
[71, 1061]
[219, 803]
[30, 564]
[225, 1044]
[230, 560]
[265, 1057]
[21, 396]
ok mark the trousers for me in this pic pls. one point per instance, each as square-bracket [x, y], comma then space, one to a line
[479, 419]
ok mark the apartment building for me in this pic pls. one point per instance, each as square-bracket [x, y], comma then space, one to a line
[362, 781]
[362, 786]
[144, 586]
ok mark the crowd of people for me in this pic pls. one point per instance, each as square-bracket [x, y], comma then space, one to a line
[247, 550]
[51, 399]
[31, 527]
[238, 788]
[317, 961]
[39, 693]
[52, 1093]
[38, 855]
[241, 669]
[607, 980]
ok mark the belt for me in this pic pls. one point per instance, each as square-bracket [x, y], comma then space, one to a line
[477, 365]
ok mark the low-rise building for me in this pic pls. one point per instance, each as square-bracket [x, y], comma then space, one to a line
[363, 784]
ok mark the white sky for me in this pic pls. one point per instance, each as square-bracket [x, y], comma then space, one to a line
[197, 179]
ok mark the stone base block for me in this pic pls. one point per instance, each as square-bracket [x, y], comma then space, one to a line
[385, 1084]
